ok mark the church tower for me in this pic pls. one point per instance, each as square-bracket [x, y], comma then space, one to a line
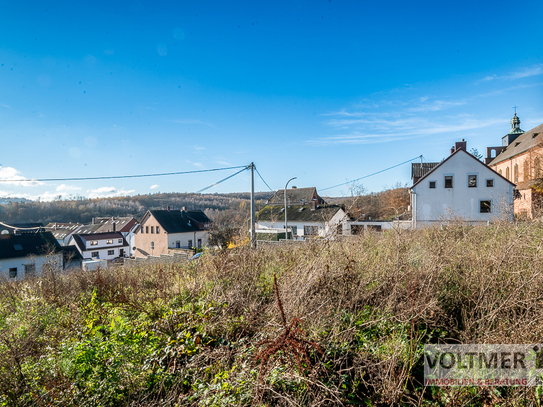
[514, 132]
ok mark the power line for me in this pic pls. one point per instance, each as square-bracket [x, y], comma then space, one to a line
[370, 175]
[263, 179]
[121, 176]
[222, 180]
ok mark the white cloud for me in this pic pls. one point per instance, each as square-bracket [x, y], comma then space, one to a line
[10, 176]
[396, 119]
[522, 73]
[154, 186]
[64, 187]
[108, 192]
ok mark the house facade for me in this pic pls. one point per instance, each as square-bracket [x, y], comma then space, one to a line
[160, 231]
[461, 188]
[101, 246]
[303, 221]
[520, 159]
[28, 254]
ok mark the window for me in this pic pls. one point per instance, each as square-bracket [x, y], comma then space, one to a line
[507, 173]
[472, 181]
[190, 243]
[485, 206]
[110, 252]
[489, 183]
[311, 230]
[94, 243]
[120, 241]
[500, 172]
[515, 173]
[199, 243]
[146, 229]
[294, 230]
[13, 272]
[109, 241]
[432, 184]
[178, 244]
[30, 270]
[141, 230]
[526, 170]
[152, 229]
[537, 168]
[448, 181]
[158, 229]
[94, 254]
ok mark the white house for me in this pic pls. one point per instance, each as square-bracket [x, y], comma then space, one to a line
[303, 221]
[28, 254]
[101, 246]
[463, 188]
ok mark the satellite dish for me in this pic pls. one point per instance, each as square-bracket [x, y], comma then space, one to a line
[5, 232]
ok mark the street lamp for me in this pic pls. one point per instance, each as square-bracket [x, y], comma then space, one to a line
[286, 231]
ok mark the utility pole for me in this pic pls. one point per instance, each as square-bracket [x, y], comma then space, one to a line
[253, 220]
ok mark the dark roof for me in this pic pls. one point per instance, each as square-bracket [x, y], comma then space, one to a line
[452, 155]
[178, 221]
[522, 143]
[421, 169]
[296, 196]
[89, 229]
[298, 213]
[61, 230]
[27, 244]
[122, 224]
[80, 239]
[198, 216]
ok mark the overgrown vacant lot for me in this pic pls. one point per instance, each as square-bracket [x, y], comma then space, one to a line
[211, 332]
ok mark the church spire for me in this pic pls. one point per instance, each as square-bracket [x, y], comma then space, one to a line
[515, 125]
[514, 132]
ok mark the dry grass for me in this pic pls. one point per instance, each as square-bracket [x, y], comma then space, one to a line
[370, 303]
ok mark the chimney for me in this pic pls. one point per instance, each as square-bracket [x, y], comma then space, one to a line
[184, 209]
[114, 227]
[313, 204]
[293, 187]
[460, 145]
[168, 207]
[93, 220]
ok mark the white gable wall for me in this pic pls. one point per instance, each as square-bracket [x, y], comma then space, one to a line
[54, 260]
[434, 206]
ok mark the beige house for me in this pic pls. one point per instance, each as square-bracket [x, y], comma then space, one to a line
[520, 160]
[163, 230]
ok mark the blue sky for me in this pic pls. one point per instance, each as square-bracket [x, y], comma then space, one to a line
[326, 91]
